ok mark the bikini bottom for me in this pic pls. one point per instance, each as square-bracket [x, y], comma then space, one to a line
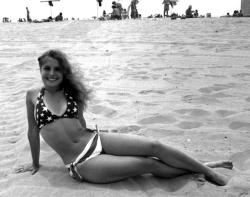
[91, 150]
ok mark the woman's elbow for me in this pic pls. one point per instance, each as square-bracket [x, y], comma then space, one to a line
[32, 133]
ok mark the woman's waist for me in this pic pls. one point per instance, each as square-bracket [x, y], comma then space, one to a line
[73, 150]
[67, 145]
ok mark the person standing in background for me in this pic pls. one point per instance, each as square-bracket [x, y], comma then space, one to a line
[28, 15]
[166, 8]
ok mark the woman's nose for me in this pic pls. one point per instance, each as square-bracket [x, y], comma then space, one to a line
[52, 71]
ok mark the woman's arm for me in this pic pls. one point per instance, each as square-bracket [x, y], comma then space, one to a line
[33, 132]
[80, 116]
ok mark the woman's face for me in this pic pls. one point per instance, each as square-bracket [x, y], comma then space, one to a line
[51, 72]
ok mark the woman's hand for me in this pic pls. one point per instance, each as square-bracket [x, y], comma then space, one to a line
[26, 168]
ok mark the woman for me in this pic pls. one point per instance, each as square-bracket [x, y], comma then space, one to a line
[56, 112]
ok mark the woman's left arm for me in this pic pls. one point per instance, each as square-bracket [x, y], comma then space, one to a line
[80, 116]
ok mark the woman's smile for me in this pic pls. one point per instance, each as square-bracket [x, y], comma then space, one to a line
[52, 78]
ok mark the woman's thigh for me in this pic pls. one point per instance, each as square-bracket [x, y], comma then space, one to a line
[127, 144]
[109, 168]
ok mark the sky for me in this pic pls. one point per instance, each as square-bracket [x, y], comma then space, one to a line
[81, 9]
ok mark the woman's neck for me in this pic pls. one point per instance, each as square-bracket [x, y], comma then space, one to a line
[53, 90]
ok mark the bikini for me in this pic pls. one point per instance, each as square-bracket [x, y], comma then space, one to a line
[91, 150]
[44, 116]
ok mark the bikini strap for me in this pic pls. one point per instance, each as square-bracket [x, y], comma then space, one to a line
[96, 130]
[38, 100]
[41, 93]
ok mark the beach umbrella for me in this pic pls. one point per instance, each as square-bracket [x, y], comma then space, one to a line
[99, 2]
[173, 2]
[50, 2]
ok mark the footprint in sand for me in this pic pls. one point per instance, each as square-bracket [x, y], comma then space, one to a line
[193, 112]
[158, 120]
[219, 87]
[206, 90]
[95, 101]
[215, 76]
[159, 69]
[206, 99]
[189, 125]
[128, 129]
[161, 133]
[99, 109]
[145, 103]
[248, 99]
[239, 125]
[241, 160]
[241, 75]
[141, 77]
[151, 92]
[216, 87]
[220, 95]
[116, 103]
[97, 83]
[119, 94]
[224, 113]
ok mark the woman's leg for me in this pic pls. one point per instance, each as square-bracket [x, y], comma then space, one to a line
[109, 168]
[132, 145]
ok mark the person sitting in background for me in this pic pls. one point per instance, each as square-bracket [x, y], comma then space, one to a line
[240, 14]
[196, 14]
[49, 19]
[6, 20]
[189, 12]
[117, 11]
[124, 14]
[174, 16]
[59, 17]
[236, 13]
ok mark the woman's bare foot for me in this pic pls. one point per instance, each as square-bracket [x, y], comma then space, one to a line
[220, 164]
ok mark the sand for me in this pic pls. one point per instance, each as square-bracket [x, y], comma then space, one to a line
[183, 82]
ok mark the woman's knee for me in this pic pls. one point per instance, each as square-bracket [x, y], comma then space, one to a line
[155, 147]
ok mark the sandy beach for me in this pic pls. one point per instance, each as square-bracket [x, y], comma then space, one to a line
[183, 82]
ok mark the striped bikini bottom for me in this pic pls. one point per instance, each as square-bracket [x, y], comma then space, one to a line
[91, 150]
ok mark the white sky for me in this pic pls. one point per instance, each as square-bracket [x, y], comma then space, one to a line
[15, 9]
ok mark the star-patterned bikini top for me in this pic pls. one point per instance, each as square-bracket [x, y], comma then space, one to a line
[44, 116]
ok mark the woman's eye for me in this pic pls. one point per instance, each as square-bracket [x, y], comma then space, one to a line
[58, 69]
[46, 68]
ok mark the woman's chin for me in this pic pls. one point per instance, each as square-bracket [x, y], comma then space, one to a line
[52, 85]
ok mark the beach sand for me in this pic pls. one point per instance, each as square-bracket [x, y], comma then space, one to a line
[183, 82]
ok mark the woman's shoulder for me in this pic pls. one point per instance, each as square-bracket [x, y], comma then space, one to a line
[31, 94]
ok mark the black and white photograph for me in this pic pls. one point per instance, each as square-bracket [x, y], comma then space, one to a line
[125, 98]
